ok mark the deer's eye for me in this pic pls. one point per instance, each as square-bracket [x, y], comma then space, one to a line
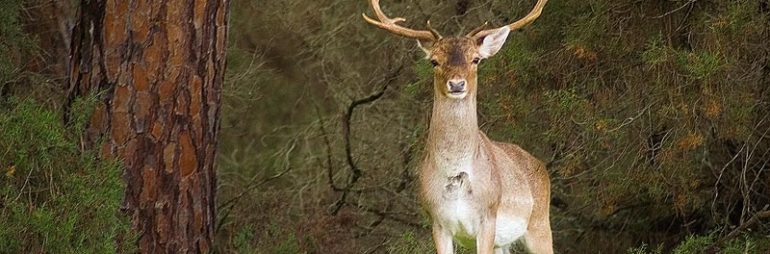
[434, 62]
[476, 60]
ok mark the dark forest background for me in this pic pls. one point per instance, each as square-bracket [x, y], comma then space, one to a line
[652, 116]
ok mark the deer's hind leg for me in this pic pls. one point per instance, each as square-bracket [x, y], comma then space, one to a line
[538, 238]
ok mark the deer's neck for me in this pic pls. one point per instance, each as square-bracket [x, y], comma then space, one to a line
[453, 137]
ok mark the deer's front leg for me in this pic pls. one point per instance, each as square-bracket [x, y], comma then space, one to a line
[443, 240]
[485, 240]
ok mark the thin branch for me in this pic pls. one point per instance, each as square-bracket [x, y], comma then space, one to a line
[764, 214]
[354, 169]
[631, 119]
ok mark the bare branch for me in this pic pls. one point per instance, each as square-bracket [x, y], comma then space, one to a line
[354, 169]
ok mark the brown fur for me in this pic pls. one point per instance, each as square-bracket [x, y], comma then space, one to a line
[504, 180]
[454, 56]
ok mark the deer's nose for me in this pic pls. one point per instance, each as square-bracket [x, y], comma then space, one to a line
[456, 86]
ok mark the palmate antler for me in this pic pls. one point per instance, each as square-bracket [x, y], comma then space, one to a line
[532, 16]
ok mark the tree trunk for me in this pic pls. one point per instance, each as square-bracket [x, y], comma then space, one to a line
[157, 68]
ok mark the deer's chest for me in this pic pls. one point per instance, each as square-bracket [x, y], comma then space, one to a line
[459, 209]
[456, 189]
[461, 218]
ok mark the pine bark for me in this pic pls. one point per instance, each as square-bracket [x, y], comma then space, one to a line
[157, 68]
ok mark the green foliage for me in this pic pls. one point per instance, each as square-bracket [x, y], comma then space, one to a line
[588, 29]
[424, 72]
[644, 249]
[700, 66]
[747, 244]
[656, 52]
[54, 198]
[242, 239]
[81, 110]
[694, 244]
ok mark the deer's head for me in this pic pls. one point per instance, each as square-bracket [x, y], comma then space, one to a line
[455, 59]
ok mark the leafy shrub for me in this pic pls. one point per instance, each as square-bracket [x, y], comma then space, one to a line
[54, 198]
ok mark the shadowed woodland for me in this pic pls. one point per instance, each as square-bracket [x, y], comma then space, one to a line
[653, 118]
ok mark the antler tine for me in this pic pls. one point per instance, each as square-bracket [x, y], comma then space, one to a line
[434, 31]
[390, 25]
[478, 29]
[531, 16]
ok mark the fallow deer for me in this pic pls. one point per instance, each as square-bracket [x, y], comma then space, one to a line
[478, 192]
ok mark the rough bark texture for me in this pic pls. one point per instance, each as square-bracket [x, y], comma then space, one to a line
[157, 67]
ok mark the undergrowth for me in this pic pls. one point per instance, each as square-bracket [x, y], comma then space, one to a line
[54, 196]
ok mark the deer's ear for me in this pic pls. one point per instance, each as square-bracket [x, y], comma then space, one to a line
[426, 47]
[493, 42]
